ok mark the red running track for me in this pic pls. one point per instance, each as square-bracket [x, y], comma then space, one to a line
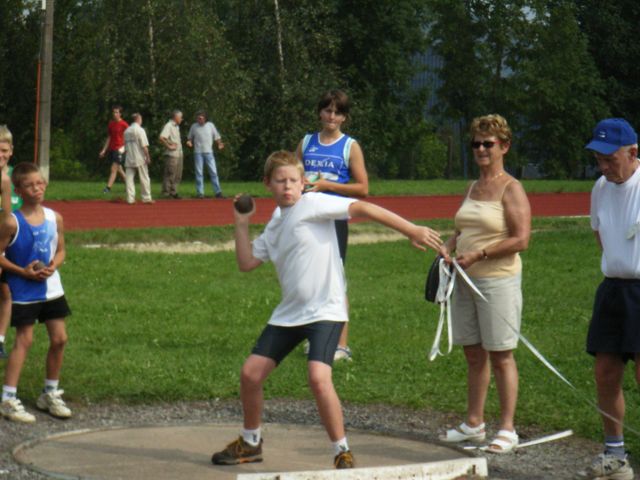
[100, 214]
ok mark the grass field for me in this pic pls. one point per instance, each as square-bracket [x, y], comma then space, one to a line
[63, 190]
[158, 327]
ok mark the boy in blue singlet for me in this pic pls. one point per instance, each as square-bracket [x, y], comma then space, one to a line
[33, 241]
[300, 240]
[8, 202]
[334, 164]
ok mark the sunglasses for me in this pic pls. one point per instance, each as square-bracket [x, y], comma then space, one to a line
[486, 144]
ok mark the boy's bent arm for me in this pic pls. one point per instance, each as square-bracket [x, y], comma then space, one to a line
[419, 236]
[61, 251]
[8, 229]
[5, 195]
[244, 252]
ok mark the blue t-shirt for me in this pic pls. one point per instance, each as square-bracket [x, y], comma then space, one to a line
[34, 242]
[329, 162]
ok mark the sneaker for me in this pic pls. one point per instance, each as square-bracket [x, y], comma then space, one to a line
[13, 410]
[220, 195]
[106, 190]
[175, 196]
[342, 353]
[344, 460]
[608, 467]
[237, 452]
[3, 353]
[53, 403]
[200, 196]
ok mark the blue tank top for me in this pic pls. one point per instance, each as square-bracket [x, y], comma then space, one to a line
[330, 162]
[34, 242]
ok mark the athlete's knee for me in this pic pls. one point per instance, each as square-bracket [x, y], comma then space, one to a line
[502, 360]
[320, 383]
[58, 341]
[24, 339]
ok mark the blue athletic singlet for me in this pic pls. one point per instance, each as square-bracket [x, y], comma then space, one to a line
[330, 162]
[34, 242]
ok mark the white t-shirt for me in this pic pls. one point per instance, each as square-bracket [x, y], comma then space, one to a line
[135, 139]
[615, 215]
[301, 242]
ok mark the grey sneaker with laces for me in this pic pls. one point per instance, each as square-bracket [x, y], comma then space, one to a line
[53, 403]
[607, 467]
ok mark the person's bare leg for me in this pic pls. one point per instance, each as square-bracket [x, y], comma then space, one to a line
[121, 172]
[254, 372]
[23, 341]
[478, 377]
[505, 371]
[57, 341]
[112, 174]
[5, 308]
[609, 371]
[344, 336]
[329, 407]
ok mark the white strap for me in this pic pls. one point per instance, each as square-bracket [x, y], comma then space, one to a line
[443, 298]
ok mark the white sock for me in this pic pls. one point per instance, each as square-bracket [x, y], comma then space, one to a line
[252, 437]
[1, 338]
[340, 446]
[9, 393]
[50, 385]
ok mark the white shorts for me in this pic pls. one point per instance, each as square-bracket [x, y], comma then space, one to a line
[475, 321]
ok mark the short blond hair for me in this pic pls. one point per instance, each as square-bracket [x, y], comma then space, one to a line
[5, 135]
[281, 158]
[491, 125]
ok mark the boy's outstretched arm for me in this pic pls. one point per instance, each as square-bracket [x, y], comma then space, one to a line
[244, 252]
[420, 237]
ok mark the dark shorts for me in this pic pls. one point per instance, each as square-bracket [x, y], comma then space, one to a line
[277, 342]
[615, 324]
[116, 157]
[27, 314]
[342, 232]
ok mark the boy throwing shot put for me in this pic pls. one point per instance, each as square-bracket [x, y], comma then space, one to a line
[300, 239]
[33, 241]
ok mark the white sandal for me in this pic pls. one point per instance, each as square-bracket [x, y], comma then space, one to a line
[504, 442]
[464, 433]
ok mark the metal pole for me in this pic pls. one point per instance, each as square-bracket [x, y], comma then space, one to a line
[44, 104]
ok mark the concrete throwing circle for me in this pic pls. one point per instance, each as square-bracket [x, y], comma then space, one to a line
[184, 451]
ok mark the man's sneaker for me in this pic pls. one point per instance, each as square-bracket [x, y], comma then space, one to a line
[342, 353]
[53, 403]
[237, 452]
[220, 195]
[13, 410]
[344, 460]
[106, 190]
[3, 353]
[608, 467]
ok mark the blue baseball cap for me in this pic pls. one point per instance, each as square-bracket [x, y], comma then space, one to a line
[610, 134]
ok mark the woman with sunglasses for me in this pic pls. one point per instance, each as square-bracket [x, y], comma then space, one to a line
[491, 227]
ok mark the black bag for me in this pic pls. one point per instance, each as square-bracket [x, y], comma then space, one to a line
[433, 281]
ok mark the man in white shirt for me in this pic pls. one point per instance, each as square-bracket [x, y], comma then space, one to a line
[300, 240]
[137, 160]
[173, 157]
[202, 136]
[614, 332]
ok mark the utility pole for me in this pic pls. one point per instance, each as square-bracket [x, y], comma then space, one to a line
[43, 107]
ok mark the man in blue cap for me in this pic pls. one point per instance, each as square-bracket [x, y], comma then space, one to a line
[614, 332]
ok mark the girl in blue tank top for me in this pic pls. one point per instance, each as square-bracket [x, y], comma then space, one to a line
[334, 164]
[333, 161]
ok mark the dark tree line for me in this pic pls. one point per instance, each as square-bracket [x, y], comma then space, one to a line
[257, 66]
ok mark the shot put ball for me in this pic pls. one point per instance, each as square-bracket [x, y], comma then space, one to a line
[244, 204]
[39, 266]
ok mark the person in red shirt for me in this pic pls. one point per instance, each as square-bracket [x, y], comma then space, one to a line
[114, 146]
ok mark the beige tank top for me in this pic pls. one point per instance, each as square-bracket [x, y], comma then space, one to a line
[481, 223]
